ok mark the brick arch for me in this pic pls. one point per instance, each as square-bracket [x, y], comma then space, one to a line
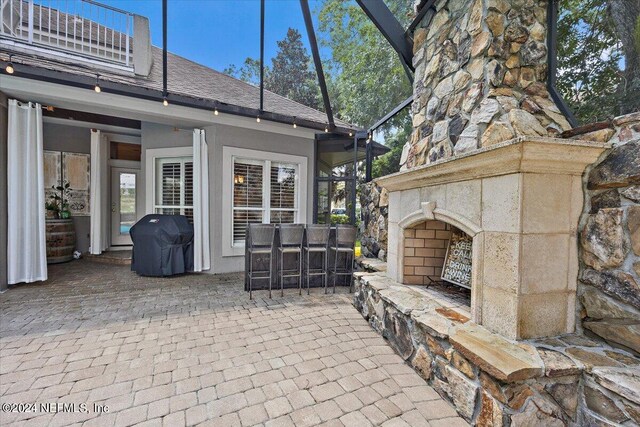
[429, 211]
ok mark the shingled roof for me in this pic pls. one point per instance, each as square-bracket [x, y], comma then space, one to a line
[184, 77]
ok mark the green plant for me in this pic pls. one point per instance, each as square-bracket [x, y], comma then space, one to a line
[339, 219]
[59, 202]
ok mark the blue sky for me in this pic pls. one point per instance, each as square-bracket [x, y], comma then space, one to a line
[217, 33]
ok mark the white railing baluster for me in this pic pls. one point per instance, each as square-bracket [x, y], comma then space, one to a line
[90, 28]
[66, 24]
[33, 27]
[112, 34]
[49, 21]
[127, 35]
[19, 26]
[30, 21]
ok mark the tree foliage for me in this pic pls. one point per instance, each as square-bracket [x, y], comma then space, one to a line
[390, 162]
[249, 71]
[290, 74]
[588, 58]
[595, 71]
[366, 76]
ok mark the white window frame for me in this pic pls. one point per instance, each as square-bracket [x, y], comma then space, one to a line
[151, 178]
[228, 156]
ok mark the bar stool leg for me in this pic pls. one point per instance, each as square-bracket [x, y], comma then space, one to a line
[270, 273]
[335, 272]
[325, 268]
[250, 273]
[308, 268]
[300, 273]
[353, 255]
[282, 274]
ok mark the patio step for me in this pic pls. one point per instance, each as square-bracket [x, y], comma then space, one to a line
[112, 257]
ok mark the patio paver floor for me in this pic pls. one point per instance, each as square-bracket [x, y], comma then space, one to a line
[194, 350]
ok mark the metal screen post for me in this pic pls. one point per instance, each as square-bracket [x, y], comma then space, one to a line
[261, 55]
[369, 160]
[352, 213]
[164, 48]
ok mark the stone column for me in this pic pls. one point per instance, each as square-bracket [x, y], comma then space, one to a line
[481, 73]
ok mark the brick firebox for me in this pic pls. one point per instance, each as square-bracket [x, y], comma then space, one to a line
[425, 247]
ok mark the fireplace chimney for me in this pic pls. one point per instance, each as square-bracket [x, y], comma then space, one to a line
[481, 74]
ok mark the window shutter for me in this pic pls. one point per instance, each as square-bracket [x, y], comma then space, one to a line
[247, 196]
[283, 193]
[188, 190]
[174, 187]
[170, 185]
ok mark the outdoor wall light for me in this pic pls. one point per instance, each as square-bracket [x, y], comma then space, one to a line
[215, 111]
[165, 101]
[350, 133]
[258, 119]
[97, 86]
[294, 123]
[326, 128]
[9, 68]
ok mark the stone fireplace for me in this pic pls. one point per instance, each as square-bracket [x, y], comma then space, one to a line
[484, 159]
[520, 202]
[487, 159]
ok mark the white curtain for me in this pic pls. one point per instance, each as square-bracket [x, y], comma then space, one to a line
[201, 250]
[26, 240]
[98, 208]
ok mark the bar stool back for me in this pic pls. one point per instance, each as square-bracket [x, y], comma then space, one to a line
[291, 237]
[317, 243]
[344, 243]
[261, 240]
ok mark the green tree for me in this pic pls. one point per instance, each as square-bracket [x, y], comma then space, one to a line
[390, 162]
[290, 74]
[366, 76]
[249, 71]
[625, 15]
[598, 57]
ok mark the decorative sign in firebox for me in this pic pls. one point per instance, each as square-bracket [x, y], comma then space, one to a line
[457, 262]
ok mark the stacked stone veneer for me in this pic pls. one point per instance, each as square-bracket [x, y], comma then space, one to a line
[609, 290]
[492, 381]
[375, 212]
[481, 72]
[425, 246]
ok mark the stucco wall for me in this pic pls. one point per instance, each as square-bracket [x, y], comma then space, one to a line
[158, 136]
[219, 136]
[71, 139]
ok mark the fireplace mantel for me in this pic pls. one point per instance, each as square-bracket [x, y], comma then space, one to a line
[519, 155]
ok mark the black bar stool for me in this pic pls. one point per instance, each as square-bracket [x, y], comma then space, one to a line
[317, 243]
[261, 238]
[291, 237]
[344, 243]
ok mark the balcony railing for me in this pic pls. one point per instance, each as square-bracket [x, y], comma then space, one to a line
[81, 27]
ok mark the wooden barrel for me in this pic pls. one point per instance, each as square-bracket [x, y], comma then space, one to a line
[61, 240]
